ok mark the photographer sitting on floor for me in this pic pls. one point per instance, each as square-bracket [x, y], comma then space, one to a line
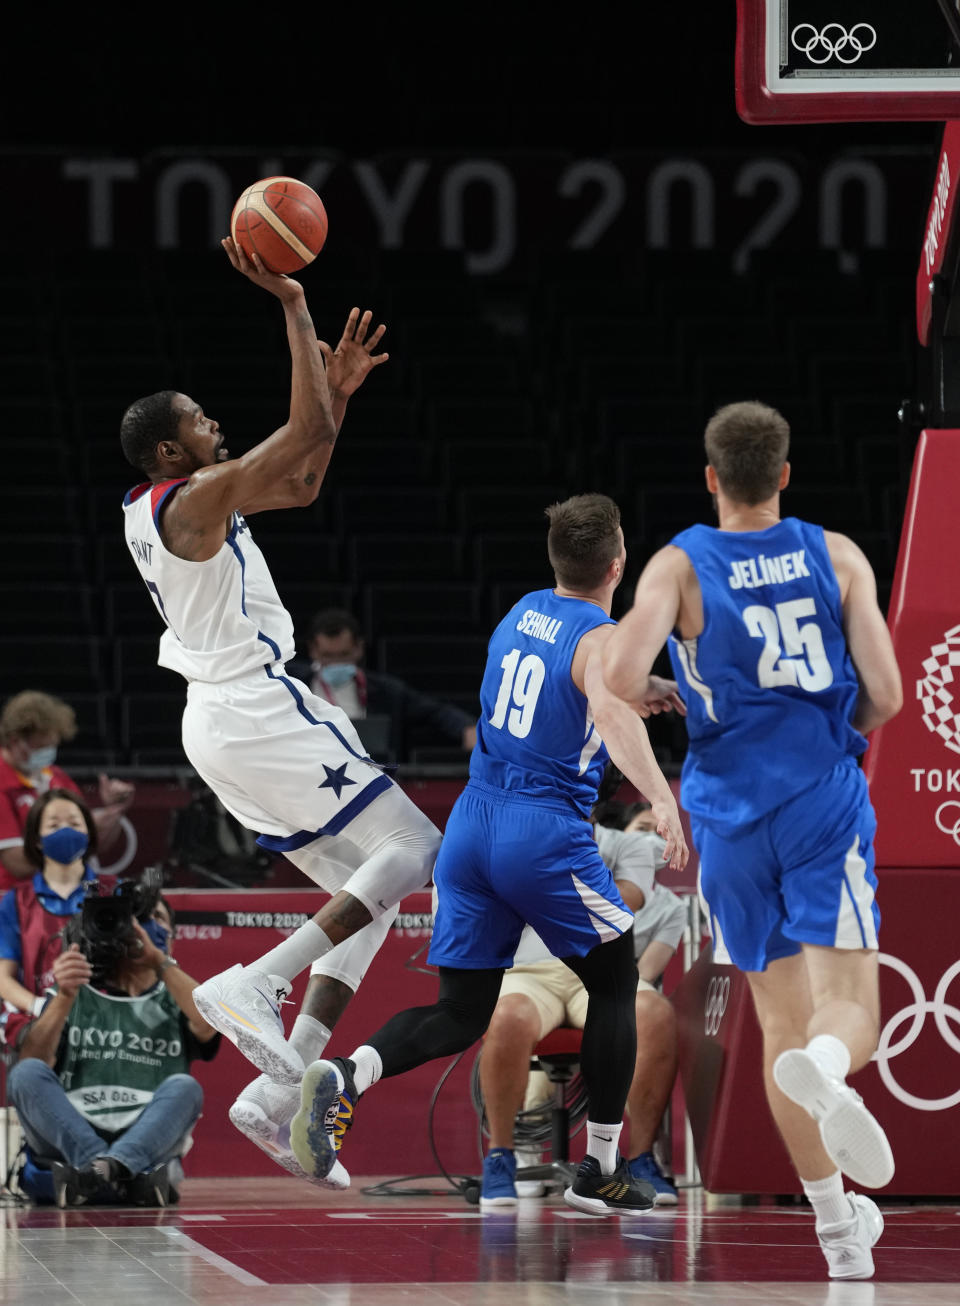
[101, 1085]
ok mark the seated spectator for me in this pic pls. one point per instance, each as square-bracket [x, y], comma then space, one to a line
[539, 994]
[59, 841]
[32, 727]
[101, 1085]
[335, 671]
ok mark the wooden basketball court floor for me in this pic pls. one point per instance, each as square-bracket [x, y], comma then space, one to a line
[234, 1242]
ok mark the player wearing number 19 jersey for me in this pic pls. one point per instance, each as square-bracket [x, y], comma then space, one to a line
[774, 629]
[518, 848]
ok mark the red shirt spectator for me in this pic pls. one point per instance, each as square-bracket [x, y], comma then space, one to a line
[32, 726]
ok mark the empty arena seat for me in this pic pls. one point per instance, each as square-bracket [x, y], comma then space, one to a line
[38, 459]
[62, 556]
[513, 555]
[435, 663]
[97, 739]
[59, 665]
[447, 418]
[377, 508]
[294, 558]
[38, 510]
[423, 554]
[51, 608]
[384, 459]
[151, 722]
[502, 507]
[468, 462]
[405, 608]
[135, 668]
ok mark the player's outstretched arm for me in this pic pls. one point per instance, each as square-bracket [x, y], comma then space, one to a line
[640, 635]
[625, 735]
[284, 470]
[868, 637]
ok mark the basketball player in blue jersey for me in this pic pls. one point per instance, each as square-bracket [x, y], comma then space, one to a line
[286, 763]
[519, 847]
[774, 630]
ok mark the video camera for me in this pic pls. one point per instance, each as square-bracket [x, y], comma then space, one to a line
[104, 928]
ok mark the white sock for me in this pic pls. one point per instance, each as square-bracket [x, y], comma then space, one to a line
[368, 1065]
[309, 1037]
[829, 1201]
[295, 954]
[602, 1144]
[831, 1054]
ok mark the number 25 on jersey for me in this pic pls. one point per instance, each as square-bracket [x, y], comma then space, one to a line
[793, 654]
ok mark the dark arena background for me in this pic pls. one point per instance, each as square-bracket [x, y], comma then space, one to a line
[585, 230]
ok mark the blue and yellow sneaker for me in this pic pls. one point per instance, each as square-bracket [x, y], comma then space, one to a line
[328, 1098]
[499, 1173]
[645, 1167]
[608, 1194]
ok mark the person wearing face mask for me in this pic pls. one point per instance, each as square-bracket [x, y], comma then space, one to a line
[32, 727]
[60, 843]
[102, 1086]
[335, 670]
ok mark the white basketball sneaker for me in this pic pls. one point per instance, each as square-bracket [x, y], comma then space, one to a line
[262, 1113]
[244, 1005]
[851, 1136]
[848, 1245]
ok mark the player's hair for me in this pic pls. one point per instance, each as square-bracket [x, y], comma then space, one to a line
[32, 712]
[145, 423]
[583, 539]
[747, 445]
[32, 846]
[331, 621]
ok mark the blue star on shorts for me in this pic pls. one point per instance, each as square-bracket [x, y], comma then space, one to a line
[335, 778]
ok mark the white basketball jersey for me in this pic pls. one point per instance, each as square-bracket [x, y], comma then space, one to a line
[224, 616]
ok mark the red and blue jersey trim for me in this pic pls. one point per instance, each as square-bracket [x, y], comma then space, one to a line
[160, 491]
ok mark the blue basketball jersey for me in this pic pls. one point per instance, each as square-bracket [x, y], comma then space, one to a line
[769, 685]
[536, 733]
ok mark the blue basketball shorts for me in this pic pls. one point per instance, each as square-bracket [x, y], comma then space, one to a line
[506, 860]
[802, 873]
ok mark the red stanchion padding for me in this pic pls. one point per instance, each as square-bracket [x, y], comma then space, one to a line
[913, 762]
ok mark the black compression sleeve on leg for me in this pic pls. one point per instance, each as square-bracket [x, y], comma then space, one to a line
[609, 1049]
[458, 1018]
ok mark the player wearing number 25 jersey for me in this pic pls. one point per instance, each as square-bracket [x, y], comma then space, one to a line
[774, 629]
[771, 673]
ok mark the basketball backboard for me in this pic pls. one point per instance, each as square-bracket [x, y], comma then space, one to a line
[807, 61]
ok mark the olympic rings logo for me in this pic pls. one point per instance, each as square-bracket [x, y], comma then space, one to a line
[952, 830]
[916, 1012]
[833, 42]
[718, 993]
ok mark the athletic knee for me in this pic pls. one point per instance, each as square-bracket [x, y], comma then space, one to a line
[514, 1023]
[656, 1018]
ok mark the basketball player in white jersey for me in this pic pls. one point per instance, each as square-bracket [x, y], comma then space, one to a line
[286, 763]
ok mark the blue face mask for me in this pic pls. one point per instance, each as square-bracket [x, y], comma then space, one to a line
[158, 934]
[338, 673]
[40, 758]
[65, 845]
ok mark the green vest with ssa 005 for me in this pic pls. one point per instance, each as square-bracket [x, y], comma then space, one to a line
[117, 1051]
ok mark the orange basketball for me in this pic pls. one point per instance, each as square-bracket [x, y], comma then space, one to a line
[282, 220]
